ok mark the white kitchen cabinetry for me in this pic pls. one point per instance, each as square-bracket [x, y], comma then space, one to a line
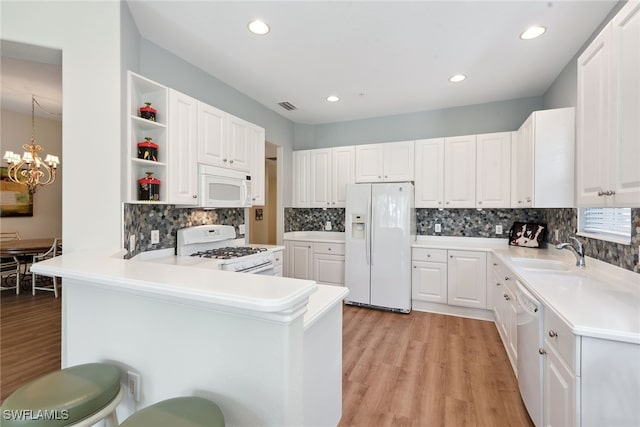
[278, 262]
[256, 135]
[321, 176]
[505, 310]
[429, 275]
[460, 172]
[493, 175]
[343, 163]
[223, 139]
[386, 162]
[608, 128]
[139, 91]
[183, 174]
[429, 170]
[301, 176]
[301, 260]
[467, 279]
[328, 263]
[542, 160]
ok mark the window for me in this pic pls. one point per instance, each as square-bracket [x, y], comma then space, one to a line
[610, 224]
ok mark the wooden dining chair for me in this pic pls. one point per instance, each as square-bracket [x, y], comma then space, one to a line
[9, 266]
[54, 250]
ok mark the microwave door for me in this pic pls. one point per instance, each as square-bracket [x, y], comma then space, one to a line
[221, 191]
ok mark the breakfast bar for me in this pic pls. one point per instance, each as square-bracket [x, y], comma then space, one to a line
[243, 341]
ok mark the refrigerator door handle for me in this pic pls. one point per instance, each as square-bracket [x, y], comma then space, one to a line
[372, 226]
[367, 230]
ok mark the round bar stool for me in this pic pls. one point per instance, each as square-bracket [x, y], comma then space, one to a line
[77, 396]
[180, 411]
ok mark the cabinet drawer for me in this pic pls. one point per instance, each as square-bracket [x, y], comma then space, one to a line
[557, 333]
[433, 255]
[329, 248]
[277, 271]
[277, 258]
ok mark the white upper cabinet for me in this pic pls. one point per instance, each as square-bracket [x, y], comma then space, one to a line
[493, 175]
[320, 178]
[342, 173]
[301, 175]
[608, 128]
[183, 173]
[223, 139]
[542, 160]
[257, 144]
[460, 172]
[429, 169]
[387, 162]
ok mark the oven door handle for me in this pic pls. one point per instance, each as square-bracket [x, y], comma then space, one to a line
[258, 268]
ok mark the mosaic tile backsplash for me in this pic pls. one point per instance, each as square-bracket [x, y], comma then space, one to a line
[481, 223]
[313, 219]
[140, 219]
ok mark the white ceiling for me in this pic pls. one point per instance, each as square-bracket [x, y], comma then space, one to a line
[380, 58]
[27, 70]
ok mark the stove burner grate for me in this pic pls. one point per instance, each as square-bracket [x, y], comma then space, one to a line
[229, 252]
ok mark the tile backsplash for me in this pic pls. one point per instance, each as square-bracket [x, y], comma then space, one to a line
[481, 223]
[140, 219]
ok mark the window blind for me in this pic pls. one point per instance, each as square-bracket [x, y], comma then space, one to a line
[607, 221]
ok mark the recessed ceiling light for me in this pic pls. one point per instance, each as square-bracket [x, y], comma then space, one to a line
[333, 98]
[533, 32]
[457, 78]
[258, 27]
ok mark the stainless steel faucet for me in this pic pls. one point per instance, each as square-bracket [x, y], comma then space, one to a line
[577, 250]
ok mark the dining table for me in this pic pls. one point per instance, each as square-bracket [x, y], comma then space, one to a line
[23, 250]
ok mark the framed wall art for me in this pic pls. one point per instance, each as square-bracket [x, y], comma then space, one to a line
[15, 199]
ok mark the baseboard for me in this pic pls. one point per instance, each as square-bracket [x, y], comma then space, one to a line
[452, 310]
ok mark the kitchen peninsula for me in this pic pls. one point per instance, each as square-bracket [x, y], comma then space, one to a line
[267, 350]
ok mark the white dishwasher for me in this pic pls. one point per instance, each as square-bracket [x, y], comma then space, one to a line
[530, 361]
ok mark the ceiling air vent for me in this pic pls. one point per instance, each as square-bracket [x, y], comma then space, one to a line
[287, 106]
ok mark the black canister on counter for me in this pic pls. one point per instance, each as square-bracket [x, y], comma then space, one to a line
[148, 150]
[149, 188]
[148, 112]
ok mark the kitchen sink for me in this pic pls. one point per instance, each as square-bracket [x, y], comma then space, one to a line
[534, 264]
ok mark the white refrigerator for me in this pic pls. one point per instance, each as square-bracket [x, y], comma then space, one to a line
[379, 231]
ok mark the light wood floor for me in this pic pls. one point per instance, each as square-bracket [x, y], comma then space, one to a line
[419, 369]
[426, 369]
[29, 337]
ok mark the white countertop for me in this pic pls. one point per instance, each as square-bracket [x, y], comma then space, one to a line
[315, 236]
[275, 298]
[601, 301]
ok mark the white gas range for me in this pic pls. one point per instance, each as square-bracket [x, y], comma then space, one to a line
[216, 247]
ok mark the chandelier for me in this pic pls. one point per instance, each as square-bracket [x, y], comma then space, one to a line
[30, 169]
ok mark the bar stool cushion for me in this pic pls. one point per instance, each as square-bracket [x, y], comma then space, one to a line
[74, 393]
[180, 411]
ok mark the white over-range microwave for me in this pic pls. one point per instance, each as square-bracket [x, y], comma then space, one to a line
[223, 188]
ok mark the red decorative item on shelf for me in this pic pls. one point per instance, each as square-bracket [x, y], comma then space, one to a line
[147, 112]
[149, 188]
[148, 150]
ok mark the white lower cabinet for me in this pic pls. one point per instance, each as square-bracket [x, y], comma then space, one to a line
[319, 261]
[467, 279]
[505, 311]
[328, 263]
[429, 275]
[278, 263]
[559, 391]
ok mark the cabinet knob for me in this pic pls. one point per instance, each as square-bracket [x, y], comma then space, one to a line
[528, 200]
[333, 203]
[600, 193]
[542, 351]
[329, 248]
[450, 256]
[379, 176]
[230, 161]
[506, 278]
[224, 160]
[328, 203]
[386, 176]
[428, 255]
[495, 264]
[553, 333]
[506, 297]
[309, 246]
[498, 283]
[439, 203]
[519, 201]
[479, 202]
[610, 193]
[195, 196]
[447, 202]
[254, 199]
[415, 266]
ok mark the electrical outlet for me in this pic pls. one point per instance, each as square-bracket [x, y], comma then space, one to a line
[327, 226]
[498, 229]
[242, 229]
[155, 237]
[133, 385]
[132, 243]
[438, 228]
